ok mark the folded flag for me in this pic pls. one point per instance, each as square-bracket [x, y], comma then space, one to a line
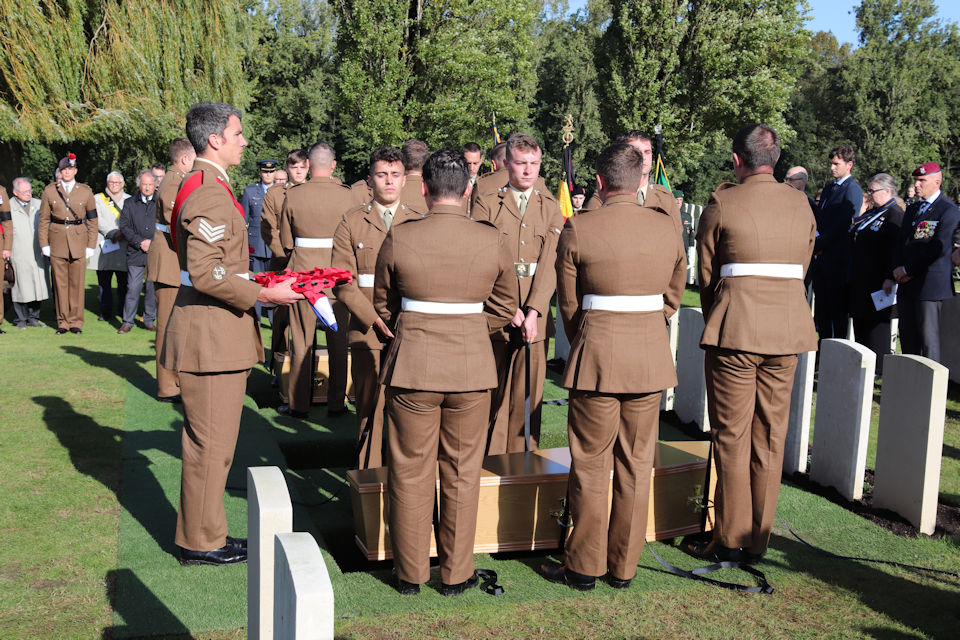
[311, 284]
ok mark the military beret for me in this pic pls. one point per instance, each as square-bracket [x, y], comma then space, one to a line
[69, 161]
[925, 168]
[677, 193]
[267, 165]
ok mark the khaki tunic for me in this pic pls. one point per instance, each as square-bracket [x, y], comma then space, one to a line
[162, 264]
[68, 241]
[658, 197]
[411, 193]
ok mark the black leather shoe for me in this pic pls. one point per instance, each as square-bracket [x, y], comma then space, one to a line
[2, 331]
[712, 551]
[456, 589]
[285, 410]
[171, 399]
[61, 331]
[405, 588]
[75, 330]
[561, 575]
[336, 413]
[227, 554]
[617, 583]
[238, 542]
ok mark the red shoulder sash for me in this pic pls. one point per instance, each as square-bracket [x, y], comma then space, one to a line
[189, 186]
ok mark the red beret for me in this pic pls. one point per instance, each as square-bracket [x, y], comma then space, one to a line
[926, 168]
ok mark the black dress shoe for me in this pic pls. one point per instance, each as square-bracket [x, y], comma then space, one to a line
[61, 331]
[238, 542]
[336, 413]
[227, 554]
[456, 589]
[405, 588]
[75, 330]
[2, 331]
[712, 551]
[617, 583]
[171, 399]
[561, 575]
[285, 410]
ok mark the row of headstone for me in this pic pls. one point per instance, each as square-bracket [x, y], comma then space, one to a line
[289, 595]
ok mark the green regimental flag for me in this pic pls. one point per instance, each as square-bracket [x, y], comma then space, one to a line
[660, 175]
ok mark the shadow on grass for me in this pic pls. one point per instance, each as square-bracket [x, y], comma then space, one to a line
[148, 608]
[87, 441]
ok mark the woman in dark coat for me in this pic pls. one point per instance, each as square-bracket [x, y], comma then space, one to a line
[873, 235]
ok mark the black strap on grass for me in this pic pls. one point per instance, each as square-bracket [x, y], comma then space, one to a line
[488, 577]
[700, 572]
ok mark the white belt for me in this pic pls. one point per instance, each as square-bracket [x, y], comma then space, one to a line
[163, 227]
[314, 243]
[445, 308]
[365, 280]
[767, 269]
[187, 282]
[622, 303]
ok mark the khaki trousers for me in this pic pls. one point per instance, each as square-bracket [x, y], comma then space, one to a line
[168, 384]
[618, 431]
[507, 402]
[68, 284]
[749, 404]
[212, 404]
[427, 429]
[303, 339]
[371, 404]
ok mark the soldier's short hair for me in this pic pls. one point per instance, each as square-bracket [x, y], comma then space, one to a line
[384, 154]
[844, 152]
[446, 174]
[205, 119]
[497, 153]
[179, 147]
[321, 155]
[470, 147]
[415, 154]
[758, 145]
[521, 142]
[633, 134]
[295, 156]
[621, 167]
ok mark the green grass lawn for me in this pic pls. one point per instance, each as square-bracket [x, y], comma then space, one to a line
[90, 472]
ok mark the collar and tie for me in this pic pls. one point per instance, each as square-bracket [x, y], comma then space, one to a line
[387, 218]
[522, 203]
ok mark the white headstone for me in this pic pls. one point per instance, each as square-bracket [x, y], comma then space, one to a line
[950, 337]
[842, 424]
[303, 598]
[690, 402]
[801, 409]
[910, 439]
[269, 512]
[667, 400]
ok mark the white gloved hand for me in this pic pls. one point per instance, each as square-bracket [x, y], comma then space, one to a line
[45, 251]
[89, 252]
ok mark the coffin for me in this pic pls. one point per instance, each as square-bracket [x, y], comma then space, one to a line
[321, 379]
[521, 498]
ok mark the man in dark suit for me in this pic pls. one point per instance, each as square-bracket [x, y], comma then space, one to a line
[839, 204]
[927, 237]
[138, 220]
[252, 202]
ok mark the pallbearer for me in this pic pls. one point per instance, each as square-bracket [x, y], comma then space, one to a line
[441, 283]
[356, 244]
[620, 275]
[754, 243]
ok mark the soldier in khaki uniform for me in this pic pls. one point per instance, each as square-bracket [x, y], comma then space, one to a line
[473, 154]
[163, 268]
[310, 216]
[435, 279]
[6, 237]
[212, 338]
[654, 196]
[530, 219]
[415, 153]
[754, 243]
[356, 244]
[68, 236]
[490, 183]
[620, 275]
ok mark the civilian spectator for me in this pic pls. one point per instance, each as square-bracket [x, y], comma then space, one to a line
[577, 197]
[110, 258]
[29, 264]
[280, 178]
[138, 222]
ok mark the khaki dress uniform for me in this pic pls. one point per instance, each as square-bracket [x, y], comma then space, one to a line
[68, 225]
[490, 183]
[657, 197]
[411, 193]
[163, 269]
[532, 238]
[441, 284]
[754, 243]
[270, 231]
[307, 224]
[6, 226]
[363, 194]
[620, 275]
[356, 244]
[212, 342]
